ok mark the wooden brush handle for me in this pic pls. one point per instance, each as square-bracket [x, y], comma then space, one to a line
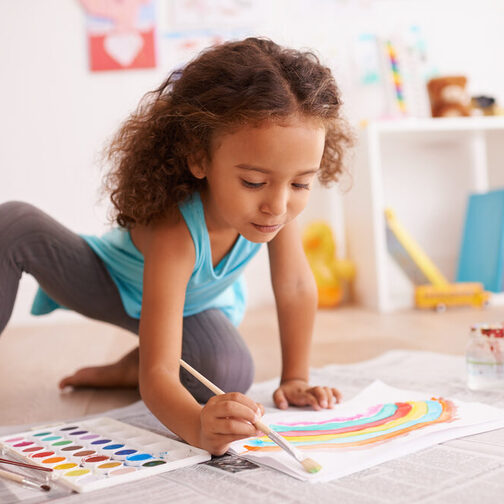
[262, 427]
[217, 391]
[11, 476]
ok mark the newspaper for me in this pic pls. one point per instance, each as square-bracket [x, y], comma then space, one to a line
[465, 470]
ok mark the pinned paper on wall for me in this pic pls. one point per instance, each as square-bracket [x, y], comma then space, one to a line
[391, 72]
[187, 27]
[121, 35]
[380, 424]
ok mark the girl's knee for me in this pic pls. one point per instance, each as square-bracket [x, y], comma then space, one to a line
[230, 373]
[17, 216]
[234, 371]
[246, 372]
[213, 346]
[19, 222]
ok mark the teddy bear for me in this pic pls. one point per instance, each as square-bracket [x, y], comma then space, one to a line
[449, 97]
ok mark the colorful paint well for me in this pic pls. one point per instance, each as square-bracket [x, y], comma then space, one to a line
[69, 428]
[52, 461]
[32, 449]
[122, 471]
[106, 467]
[72, 448]
[112, 447]
[41, 434]
[95, 461]
[77, 433]
[76, 456]
[65, 466]
[77, 473]
[22, 444]
[122, 454]
[42, 454]
[86, 456]
[153, 463]
[138, 459]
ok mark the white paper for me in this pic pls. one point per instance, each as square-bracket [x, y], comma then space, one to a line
[343, 441]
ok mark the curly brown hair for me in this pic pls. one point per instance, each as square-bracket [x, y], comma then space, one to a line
[235, 83]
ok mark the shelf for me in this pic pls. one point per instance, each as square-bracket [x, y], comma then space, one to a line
[439, 124]
[425, 170]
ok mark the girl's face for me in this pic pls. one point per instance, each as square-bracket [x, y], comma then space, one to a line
[259, 178]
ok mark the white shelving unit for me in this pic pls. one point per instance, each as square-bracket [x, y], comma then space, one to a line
[424, 169]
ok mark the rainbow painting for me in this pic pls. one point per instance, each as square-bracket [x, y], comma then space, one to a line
[379, 423]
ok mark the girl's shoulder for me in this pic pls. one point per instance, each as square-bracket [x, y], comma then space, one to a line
[170, 232]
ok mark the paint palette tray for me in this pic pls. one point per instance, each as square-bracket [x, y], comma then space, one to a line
[100, 452]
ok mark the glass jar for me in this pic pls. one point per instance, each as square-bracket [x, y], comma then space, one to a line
[485, 357]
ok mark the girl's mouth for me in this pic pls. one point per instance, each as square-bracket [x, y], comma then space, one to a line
[267, 229]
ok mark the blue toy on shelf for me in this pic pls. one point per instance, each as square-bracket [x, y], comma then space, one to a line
[482, 251]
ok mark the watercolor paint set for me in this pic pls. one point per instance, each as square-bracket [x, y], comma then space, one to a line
[99, 452]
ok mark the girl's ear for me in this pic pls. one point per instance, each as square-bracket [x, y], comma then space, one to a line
[197, 167]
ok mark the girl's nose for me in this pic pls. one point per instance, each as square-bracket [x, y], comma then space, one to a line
[275, 203]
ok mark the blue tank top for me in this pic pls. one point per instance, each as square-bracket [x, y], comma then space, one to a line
[221, 287]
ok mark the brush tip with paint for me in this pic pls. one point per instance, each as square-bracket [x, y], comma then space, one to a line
[311, 466]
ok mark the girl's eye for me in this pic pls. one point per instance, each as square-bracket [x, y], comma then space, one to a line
[252, 185]
[301, 186]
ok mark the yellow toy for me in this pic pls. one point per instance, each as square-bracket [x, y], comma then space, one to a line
[438, 297]
[432, 289]
[331, 274]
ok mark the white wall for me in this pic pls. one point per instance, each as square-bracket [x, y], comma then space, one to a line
[56, 115]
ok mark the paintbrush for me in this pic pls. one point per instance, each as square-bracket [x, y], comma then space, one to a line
[23, 464]
[19, 478]
[308, 464]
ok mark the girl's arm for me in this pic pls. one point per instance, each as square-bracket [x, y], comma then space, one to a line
[296, 300]
[169, 260]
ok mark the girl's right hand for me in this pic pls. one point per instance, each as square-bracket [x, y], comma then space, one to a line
[226, 418]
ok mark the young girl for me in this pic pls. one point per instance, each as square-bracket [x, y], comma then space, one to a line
[218, 160]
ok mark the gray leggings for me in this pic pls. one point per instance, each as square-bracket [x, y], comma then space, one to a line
[74, 276]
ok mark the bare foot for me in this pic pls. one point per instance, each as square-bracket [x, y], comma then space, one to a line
[123, 373]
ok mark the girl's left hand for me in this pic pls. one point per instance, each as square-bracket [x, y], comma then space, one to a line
[299, 393]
